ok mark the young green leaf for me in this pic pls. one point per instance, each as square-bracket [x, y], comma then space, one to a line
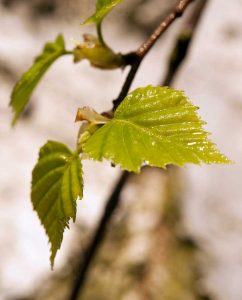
[56, 185]
[103, 7]
[156, 126]
[25, 86]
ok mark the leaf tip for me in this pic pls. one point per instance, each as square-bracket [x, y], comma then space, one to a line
[14, 121]
[52, 259]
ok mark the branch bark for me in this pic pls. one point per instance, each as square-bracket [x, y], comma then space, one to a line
[135, 59]
[98, 237]
[114, 199]
[183, 42]
[163, 26]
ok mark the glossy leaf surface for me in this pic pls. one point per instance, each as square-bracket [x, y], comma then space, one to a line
[25, 86]
[154, 126]
[56, 185]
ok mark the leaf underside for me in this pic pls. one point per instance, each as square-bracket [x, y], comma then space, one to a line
[103, 7]
[154, 126]
[26, 85]
[56, 185]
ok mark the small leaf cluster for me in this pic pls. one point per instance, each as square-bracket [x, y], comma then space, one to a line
[93, 49]
[154, 126]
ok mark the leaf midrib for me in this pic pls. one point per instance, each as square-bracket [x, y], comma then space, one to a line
[174, 143]
[144, 129]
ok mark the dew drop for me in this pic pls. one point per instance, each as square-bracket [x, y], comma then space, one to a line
[193, 143]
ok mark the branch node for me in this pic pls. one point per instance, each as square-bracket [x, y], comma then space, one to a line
[179, 13]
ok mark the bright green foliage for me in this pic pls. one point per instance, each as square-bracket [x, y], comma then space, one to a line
[103, 7]
[25, 86]
[156, 126]
[56, 185]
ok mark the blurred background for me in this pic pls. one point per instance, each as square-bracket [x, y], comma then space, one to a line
[177, 235]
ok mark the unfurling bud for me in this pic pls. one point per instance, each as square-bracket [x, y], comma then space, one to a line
[90, 115]
[99, 55]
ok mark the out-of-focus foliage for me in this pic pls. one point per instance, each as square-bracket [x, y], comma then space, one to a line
[103, 7]
[26, 85]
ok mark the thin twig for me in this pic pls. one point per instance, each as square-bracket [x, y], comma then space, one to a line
[127, 84]
[163, 26]
[114, 199]
[183, 42]
[139, 55]
[112, 204]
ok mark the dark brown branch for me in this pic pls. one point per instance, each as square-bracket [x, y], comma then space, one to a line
[183, 42]
[127, 84]
[163, 26]
[98, 237]
[114, 199]
[135, 59]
